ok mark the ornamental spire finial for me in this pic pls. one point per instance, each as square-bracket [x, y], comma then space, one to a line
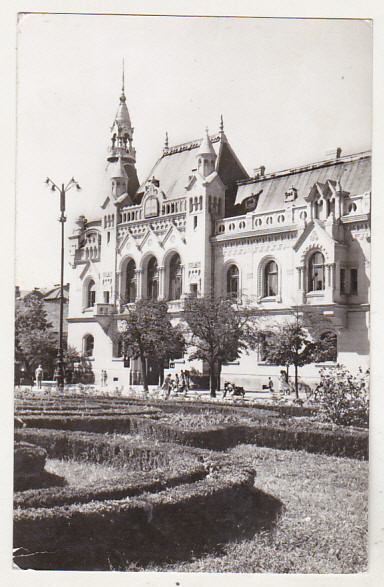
[122, 84]
[221, 124]
[166, 144]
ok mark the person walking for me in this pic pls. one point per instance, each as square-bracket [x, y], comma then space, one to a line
[167, 385]
[39, 376]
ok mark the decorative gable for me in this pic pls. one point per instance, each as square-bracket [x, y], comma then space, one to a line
[150, 241]
[314, 237]
[173, 237]
[128, 243]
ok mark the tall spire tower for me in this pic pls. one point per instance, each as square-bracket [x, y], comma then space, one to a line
[121, 151]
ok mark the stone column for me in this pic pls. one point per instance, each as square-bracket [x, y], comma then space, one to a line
[118, 297]
[161, 274]
[183, 288]
[139, 284]
[301, 283]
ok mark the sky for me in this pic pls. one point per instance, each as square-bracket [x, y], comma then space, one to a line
[288, 89]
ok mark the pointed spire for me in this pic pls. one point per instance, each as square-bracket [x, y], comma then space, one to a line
[166, 144]
[206, 147]
[221, 124]
[121, 129]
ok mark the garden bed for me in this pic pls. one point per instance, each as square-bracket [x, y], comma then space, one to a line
[176, 522]
[203, 432]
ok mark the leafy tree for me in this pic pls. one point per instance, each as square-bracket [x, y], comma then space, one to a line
[289, 345]
[35, 343]
[149, 334]
[295, 344]
[219, 332]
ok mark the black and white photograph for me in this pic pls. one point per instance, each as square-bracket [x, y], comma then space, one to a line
[192, 356]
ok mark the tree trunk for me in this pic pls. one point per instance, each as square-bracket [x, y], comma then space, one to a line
[161, 373]
[296, 382]
[212, 381]
[144, 371]
[218, 376]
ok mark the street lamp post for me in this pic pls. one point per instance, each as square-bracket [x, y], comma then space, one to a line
[63, 190]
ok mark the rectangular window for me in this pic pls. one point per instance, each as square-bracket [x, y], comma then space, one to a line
[108, 237]
[353, 282]
[194, 222]
[342, 281]
[193, 290]
[106, 297]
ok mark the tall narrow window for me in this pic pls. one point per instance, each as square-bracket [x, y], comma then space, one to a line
[270, 279]
[152, 279]
[327, 349]
[316, 272]
[175, 278]
[91, 294]
[353, 282]
[233, 282]
[343, 288]
[130, 282]
[88, 345]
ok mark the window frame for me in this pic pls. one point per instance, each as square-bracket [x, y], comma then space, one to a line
[312, 267]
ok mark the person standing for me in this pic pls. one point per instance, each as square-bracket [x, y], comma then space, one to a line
[284, 388]
[270, 385]
[39, 376]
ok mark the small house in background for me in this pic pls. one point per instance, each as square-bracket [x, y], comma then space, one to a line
[51, 303]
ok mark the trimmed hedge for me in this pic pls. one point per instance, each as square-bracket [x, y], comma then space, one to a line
[107, 490]
[132, 453]
[171, 523]
[281, 435]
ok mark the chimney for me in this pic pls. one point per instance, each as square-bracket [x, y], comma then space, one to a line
[333, 154]
[259, 171]
[17, 291]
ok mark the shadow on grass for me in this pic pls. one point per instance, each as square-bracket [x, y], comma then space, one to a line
[45, 479]
[177, 532]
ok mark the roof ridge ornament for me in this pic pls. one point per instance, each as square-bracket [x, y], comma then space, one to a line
[166, 144]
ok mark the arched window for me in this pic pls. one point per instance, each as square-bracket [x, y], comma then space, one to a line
[233, 282]
[88, 345]
[91, 294]
[270, 279]
[316, 272]
[130, 282]
[175, 278]
[328, 347]
[152, 279]
[151, 207]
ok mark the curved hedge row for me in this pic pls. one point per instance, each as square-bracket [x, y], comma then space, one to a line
[132, 453]
[282, 435]
[152, 526]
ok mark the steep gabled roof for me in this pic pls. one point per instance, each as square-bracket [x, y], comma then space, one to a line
[352, 172]
[175, 167]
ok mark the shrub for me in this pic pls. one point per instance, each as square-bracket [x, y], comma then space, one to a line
[29, 459]
[343, 397]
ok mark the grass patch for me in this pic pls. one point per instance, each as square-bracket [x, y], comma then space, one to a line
[323, 527]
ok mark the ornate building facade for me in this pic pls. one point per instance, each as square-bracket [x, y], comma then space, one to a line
[199, 223]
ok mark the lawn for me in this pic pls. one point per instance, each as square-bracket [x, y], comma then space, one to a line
[323, 527]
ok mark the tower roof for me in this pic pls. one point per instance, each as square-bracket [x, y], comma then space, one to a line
[122, 119]
[206, 147]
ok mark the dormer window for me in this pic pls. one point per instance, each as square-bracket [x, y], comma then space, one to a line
[291, 194]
